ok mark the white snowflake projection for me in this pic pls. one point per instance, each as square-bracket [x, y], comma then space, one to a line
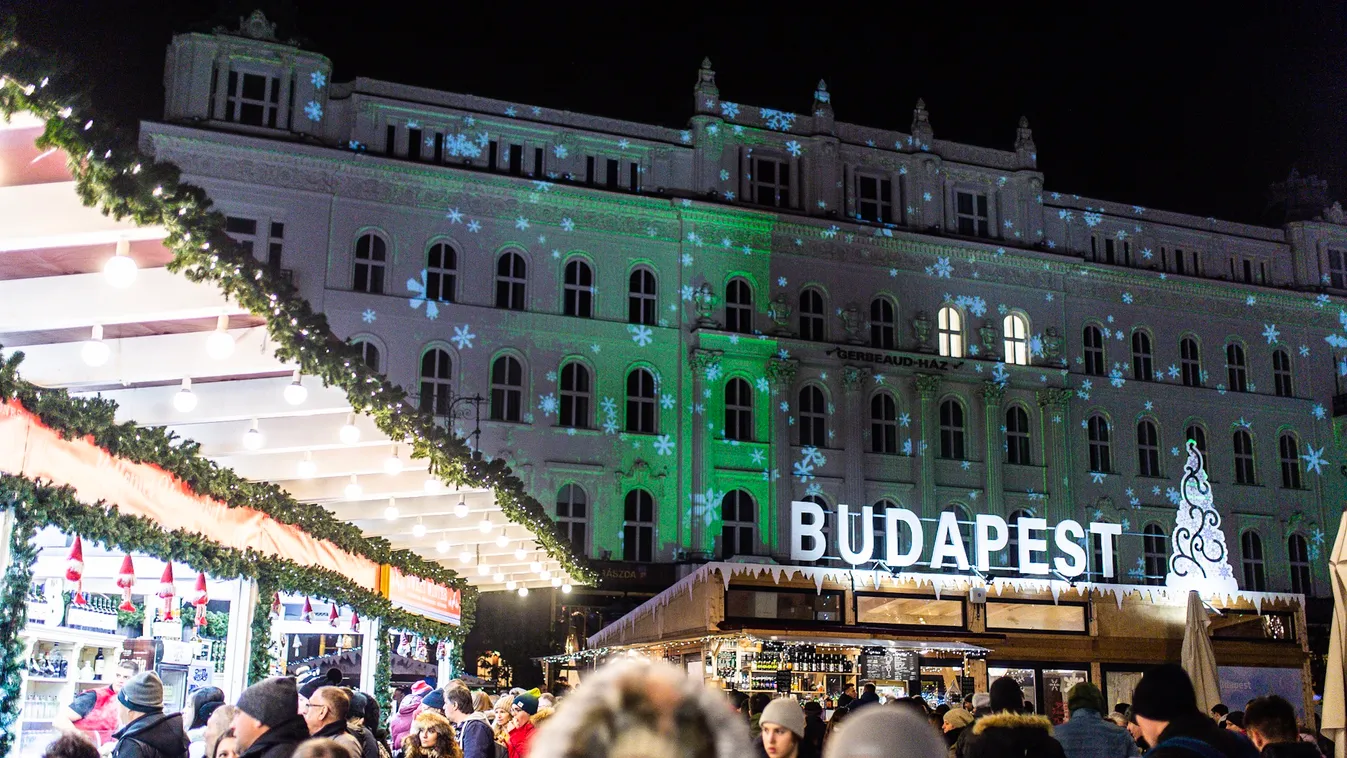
[1320, 301]
[1198, 558]
[1250, 300]
[1318, 411]
[893, 273]
[781, 281]
[454, 215]
[757, 456]
[973, 304]
[560, 151]
[784, 406]
[547, 404]
[419, 289]
[318, 79]
[521, 223]
[686, 292]
[1115, 378]
[965, 465]
[904, 419]
[685, 135]
[313, 111]
[567, 225]
[783, 354]
[664, 444]
[803, 470]
[1000, 375]
[793, 147]
[1127, 298]
[1092, 219]
[724, 175]
[641, 335]
[511, 112]
[1314, 460]
[829, 233]
[463, 337]
[729, 194]
[474, 226]
[1270, 333]
[762, 384]
[926, 196]
[666, 401]
[369, 316]
[698, 408]
[776, 120]
[713, 372]
[942, 268]
[1146, 253]
[458, 145]
[907, 447]
[1097, 477]
[1304, 351]
[1172, 371]
[595, 348]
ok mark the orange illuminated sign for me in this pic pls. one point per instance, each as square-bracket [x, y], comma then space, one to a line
[423, 597]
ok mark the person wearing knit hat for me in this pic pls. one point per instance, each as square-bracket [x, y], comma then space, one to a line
[1087, 734]
[782, 728]
[1165, 706]
[434, 702]
[268, 724]
[885, 733]
[953, 724]
[522, 710]
[148, 732]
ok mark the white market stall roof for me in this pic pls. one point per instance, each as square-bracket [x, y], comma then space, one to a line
[54, 296]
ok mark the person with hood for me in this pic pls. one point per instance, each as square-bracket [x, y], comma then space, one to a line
[1006, 732]
[885, 733]
[268, 724]
[1270, 723]
[1087, 734]
[814, 727]
[522, 710]
[432, 736]
[954, 722]
[475, 736]
[647, 709]
[1170, 720]
[325, 714]
[401, 724]
[147, 731]
[200, 705]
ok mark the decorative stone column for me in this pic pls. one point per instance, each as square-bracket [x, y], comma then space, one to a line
[853, 386]
[928, 386]
[992, 395]
[703, 474]
[781, 374]
[1054, 405]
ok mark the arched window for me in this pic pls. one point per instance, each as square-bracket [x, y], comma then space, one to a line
[949, 323]
[1289, 449]
[1142, 366]
[883, 424]
[441, 272]
[1148, 448]
[882, 321]
[812, 320]
[1093, 339]
[1015, 338]
[436, 376]
[1297, 550]
[638, 527]
[575, 389]
[813, 417]
[507, 389]
[1281, 373]
[369, 354]
[1101, 456]
[577, 290]
[738, 524]
[738, 410]
[1017, 436]
[510, 281]
[1235, 371]
[1155, 552]
[1251, 550]
[642, 417]
[573, 516]
[1190, 362]
[371, 262]
[1197, 434]
[739, 306]
[1244, 468]
[951, 430]
[1012, 559]
[1097, 564]
[642, 299]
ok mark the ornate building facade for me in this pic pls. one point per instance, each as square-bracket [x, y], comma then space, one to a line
[678, 331]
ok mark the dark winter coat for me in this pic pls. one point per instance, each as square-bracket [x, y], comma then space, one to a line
[1011, 735]
[476, 737]
[280, 741]
[1229, 743]
[1298, 749]
[156, 735]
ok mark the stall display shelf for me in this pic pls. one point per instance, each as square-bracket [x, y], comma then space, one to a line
[53, 692]
[47, 679]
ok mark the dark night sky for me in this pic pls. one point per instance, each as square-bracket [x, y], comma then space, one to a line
[1185, 106]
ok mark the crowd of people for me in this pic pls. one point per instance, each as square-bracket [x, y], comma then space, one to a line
[633, 709]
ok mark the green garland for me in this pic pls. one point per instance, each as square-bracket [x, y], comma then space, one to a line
[111, 174]
[13, 617]
[383, 676]
[260, 658]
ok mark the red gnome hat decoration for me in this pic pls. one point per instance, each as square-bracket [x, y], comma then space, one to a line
[355, 621]
[199, 599]
[277, 609]
[307, 614]
[333, 616]
[74, 570]
[167, 591]
[126, 579]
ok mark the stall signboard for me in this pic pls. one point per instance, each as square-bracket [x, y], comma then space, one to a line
[423, 597]
[890, 665]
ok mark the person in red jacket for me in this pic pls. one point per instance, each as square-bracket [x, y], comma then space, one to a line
[522, 711]
[93, 713]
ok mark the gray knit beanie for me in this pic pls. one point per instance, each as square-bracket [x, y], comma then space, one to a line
[143, 693]
[271, 701]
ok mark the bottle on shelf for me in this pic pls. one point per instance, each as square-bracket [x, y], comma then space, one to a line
[100, 664]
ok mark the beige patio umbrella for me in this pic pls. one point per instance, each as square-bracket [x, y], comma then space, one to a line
[1334, 723]
[1198, 658]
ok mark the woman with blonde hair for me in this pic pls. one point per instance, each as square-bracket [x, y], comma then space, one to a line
[481, 702]
[216, 726]
[321, 747]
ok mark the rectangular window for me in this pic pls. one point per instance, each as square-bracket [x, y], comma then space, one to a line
[538, 162]
[634, 176]
[390, 139]
[1035, 617]
[1109, 251]
[771, 182]
[786, 606]
[252, 99]
[439, 148]
[517, 160]
[589, 169]
[1243, 625]
[970, 210]
[413, 144]
[1337, 269]
[493, 155]
[613, 174]
[874, 198]
[909, 610]
[275, 245]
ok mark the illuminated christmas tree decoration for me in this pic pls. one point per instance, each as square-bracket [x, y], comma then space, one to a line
[1199, 559]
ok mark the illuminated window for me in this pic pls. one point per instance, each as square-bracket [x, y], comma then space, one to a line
[641, 297]
[638, 527]
[371, 259]
[1244, 468]
[883, 424]
[642, 417]
[970, 211]
[738, 524]
[436, 375]
[1289, 448]
[1148, 448]
[949, 324]
[1235, 370]
[812, 319]
[578, 290]
[369, 354]
[1142, 367]
[771, 182]
[507, 389]
[1281, 373]
[1302, 580]
[1015, 333]
[1093, 340]
[572, 516]
[951, 430]
[1190, 359]
[882, 324]
[1251, 556]
[813, 417]
[575, 389]
[1017, 436]
[738, 410]
[441, 273]
[510, 281]
[739, 306]
[874, 198]
[1101, 458]
[1155, 553]
[252, 99]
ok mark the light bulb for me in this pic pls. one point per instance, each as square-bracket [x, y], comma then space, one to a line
[350, 433]
[296, 393]
[498, 576]
[185, 399]
[120, 270]
[483, 569]
[544, 575]
[442, 546]
[219, 344]
[353, 489]
[510, 585]
[433, 486]
[465, 557]
[566, 587]
[485, 526]
[252, 439]
[519, 553]
[391, 512]
[556, 581]
[461, 508]
[535, 566]
[502, 540]
[95, 351]
[419, 530]
[523, 591]
[393, 464]
[307, 469]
